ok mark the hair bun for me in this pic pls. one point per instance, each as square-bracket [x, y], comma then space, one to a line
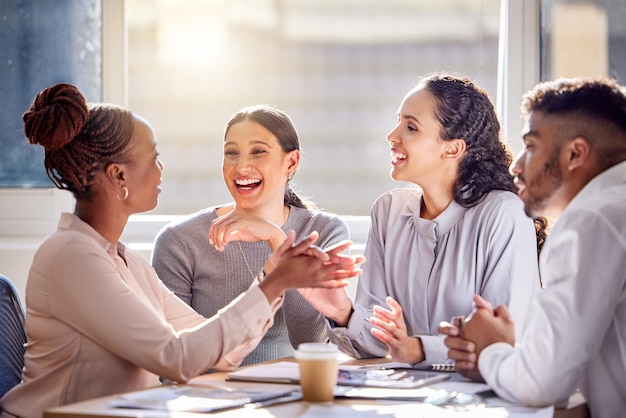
[56, 116]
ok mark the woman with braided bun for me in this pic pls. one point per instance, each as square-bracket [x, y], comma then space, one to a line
[210, 256]
[98, 319]
[431, 248]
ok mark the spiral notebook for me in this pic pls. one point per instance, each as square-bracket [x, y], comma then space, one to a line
[389, 378]
[288, 372]
[437, 367]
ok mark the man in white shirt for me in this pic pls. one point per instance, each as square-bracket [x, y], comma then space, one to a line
[573, 167]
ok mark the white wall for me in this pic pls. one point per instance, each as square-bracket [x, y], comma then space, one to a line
[26, 217]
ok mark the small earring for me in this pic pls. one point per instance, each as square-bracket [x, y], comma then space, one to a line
[289, 176]
[125, 194]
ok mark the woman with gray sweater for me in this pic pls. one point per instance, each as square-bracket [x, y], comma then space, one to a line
[212, 256]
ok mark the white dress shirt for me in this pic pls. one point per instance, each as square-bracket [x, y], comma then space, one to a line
[575, 334]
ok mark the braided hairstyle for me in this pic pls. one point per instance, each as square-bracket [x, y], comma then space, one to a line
[464, 110]
[281, 126]
[79, 139]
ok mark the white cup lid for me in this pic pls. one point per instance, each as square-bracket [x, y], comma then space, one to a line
[316, 351]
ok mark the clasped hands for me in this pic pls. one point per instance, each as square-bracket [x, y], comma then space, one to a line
[467, 337]
[302, 264]
[328, 261]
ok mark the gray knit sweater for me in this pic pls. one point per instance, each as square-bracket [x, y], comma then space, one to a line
[208, 279]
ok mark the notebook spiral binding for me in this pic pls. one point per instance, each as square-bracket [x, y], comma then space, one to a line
[443, 367]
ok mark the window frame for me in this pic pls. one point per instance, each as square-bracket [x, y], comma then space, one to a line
[520, 26]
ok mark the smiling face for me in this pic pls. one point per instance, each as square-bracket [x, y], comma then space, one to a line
[255, 168]
[537, 169]
[416, 146]
[144, 168]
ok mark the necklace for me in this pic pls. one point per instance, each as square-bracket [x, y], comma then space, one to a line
[286, 215]
[246, 260]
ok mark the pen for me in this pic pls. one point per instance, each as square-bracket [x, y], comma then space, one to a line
[459, 322]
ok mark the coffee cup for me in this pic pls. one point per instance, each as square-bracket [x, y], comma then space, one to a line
[318, 371]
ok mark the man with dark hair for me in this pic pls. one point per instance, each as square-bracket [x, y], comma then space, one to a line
[573, 167]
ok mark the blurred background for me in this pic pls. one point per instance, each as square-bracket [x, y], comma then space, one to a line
[339, 68]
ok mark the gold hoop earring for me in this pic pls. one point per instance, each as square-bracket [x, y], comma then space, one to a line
[125, 194]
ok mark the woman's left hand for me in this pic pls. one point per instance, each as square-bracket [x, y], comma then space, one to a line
[390, 328]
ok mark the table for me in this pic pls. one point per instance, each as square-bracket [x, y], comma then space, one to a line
[99, 408]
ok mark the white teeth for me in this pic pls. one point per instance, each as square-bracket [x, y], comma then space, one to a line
[247, 182]
[398, 155]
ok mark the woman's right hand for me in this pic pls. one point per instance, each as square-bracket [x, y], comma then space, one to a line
[334, 303]
[238, 226]
[304, 265]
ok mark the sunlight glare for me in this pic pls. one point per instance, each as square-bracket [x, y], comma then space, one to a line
[192, 36]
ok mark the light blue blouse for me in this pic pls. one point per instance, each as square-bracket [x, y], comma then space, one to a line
[434, 267]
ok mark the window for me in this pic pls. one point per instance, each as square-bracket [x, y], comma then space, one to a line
[42, 43]
[339, 68]
[545, 39]
[583, 38]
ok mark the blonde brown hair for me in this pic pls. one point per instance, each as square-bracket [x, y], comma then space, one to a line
[281, 126]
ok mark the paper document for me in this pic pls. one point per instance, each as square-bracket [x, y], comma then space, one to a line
[280, 372]
[419, 410]
[195, 398]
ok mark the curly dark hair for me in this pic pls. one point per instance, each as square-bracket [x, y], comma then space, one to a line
[79, 139]
[464, 110]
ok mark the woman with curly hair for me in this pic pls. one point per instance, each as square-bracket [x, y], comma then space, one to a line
[431, 248]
